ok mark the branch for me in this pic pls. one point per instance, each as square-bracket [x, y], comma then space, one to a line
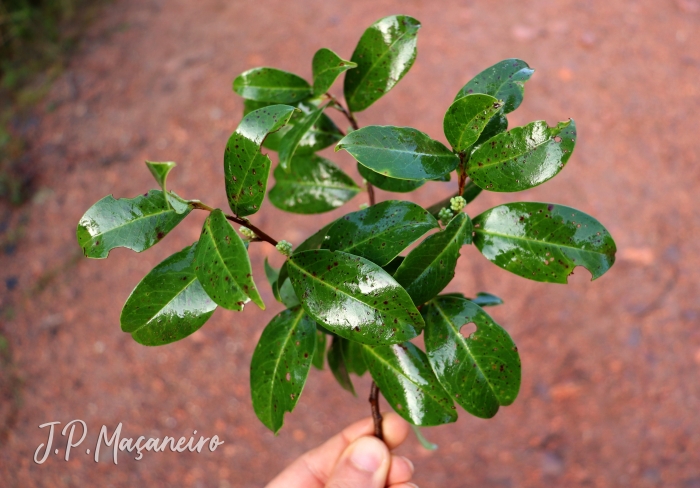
[245, 222]
[348, 114]
[376, 414]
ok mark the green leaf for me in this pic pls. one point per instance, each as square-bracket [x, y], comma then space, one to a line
[504, 80]
[271, 85]
[523, 157]
[135, 223]
[287, 294]
[481, 372]
[320, 352]
[404, 377]
[467, 118]
[223, 266]
[272, 274]
[387, 183]
[180, 205]
[385, 53]
[353, 297]
[326, 67]
[497, 124]
[315, 241]
[423, 441]
[315, 185]
[430, 267]
[245, 167]
[399, 152]
[354, 358]
[322, 134]
[160, 172]
[543, 241]
[291, 140]
[336, 363]
[280, 366]
[380, 232]
[486, 299]
[169, 303]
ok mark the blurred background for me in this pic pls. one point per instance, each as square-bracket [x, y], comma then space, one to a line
[611, 369]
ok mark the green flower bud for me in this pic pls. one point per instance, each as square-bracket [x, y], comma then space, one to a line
[284, 247]
[445, 215]
[457, 203]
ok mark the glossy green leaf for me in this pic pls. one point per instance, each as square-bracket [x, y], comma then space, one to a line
[135, 223]
[271, 85]
[523, 157]
[320, 352]
[467, 118]
[326, 67]
[423, 441]
[497, 124]
[353, 297]
[245, 167]
[399, 152]
[385, 53]
[315, 185]
[160, 172]
[222, 265]
[387, 183]
[280, 366]
[404, 377]
[336, 363]
[504, 80]
[354, 358]
[179, 204]
[486, 299]
[430, 267]
[322, 134]
[287, 294]
[543, 241]
[169, 303]
[380, 232]
[482, 371]
[291, 140]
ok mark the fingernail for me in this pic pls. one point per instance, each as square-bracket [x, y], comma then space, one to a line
[412, 484]
[410, 464]
[367, 455]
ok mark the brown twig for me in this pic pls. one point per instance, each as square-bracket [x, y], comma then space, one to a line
[376, 414]
[462, 172]
[245, 222]
[348, 114]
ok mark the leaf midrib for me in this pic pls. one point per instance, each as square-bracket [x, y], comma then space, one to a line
[373, 65]
[132, 221]
[527, 239]
[223, 261]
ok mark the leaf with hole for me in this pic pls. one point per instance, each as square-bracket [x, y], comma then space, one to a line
[246, 168]
[353, 297]
[135, 223]
[480, 372]
[504, 80]
[315, 185]
[326, 67]
[271, 85]
[280, 366]
[523, 157]
[169, 303]
[384, 54]
[467, 118]
[322, 134]
[430, 267]
[404, 377]
[543, 241]
[222, 265]
[380, 232]
[399, 152]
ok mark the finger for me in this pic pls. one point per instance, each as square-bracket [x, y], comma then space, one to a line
[314, 468]
[404, 485]
[365, 463]
[401, 470]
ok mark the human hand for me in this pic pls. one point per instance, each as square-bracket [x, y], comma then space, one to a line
[353, 458]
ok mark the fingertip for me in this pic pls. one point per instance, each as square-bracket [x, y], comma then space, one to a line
[401, 470]
[395, 429]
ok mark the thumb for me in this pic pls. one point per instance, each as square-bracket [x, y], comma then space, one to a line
[363, 464]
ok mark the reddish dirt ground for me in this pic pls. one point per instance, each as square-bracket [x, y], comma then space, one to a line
[611, 369]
